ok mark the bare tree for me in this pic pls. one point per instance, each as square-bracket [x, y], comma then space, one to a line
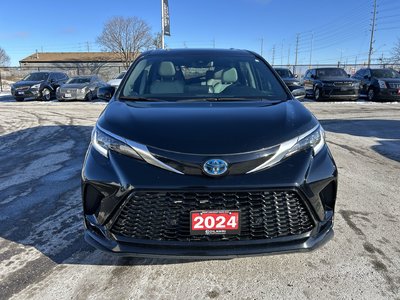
[4, 58]
[396, 53]
[157, 41]
[127, 37]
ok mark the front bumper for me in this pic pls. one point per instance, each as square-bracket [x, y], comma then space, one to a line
[314, 178]
[70, 95]
[339, 93]
[29, 93]
[388, 95]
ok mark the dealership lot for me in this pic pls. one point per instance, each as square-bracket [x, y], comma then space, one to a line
[43, 254]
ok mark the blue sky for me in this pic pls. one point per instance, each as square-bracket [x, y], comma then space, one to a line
[338, 29]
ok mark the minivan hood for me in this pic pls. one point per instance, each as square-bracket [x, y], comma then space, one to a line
[207, 127]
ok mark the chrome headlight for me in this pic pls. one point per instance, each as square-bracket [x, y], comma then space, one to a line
[314, 138]
[35, 86]
[103, 143]
[382, 84]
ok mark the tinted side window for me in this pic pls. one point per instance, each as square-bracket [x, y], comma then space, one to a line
[52, 76]
[359, 73]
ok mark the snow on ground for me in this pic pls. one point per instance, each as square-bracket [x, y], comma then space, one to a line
[6, 86]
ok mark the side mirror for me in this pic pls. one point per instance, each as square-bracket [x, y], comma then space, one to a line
[299, 93]
[296, 76]
[313, 76]
[366, 77]
[348, 75]
[105, 93]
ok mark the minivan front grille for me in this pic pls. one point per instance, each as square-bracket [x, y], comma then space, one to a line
[165, 216]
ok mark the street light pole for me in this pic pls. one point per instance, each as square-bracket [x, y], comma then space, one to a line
[162, 24]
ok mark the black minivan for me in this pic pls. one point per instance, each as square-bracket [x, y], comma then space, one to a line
[204, 153]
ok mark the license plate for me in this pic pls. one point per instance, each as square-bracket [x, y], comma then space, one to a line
[344, 89]
[67, 95]
[214, 222]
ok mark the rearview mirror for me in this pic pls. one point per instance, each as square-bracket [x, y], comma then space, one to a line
[106, 92]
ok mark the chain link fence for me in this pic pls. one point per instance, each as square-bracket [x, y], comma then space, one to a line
[9, 75]
[351, 69]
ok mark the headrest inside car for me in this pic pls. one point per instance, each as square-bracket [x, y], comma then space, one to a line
[230, 75]
[166, 69]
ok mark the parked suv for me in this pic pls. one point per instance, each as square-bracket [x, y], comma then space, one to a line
[38, 85]
[330, 83]
[292, 83]
[205, 152]
[379, 84]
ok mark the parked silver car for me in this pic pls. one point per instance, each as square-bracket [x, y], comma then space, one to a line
[80, 88]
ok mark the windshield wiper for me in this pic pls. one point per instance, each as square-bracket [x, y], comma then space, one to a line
[141, 99]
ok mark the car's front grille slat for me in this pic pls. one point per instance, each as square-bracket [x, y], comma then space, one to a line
[165, 216]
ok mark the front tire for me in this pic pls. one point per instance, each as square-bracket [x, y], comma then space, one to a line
[46, 94]
[317, 94]
[89, 96]
[371, 94]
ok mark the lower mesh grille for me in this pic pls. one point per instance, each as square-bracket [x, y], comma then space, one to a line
[165, 216]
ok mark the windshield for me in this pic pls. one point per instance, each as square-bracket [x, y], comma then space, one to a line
[79, 80]
[207, 77]
[385, 73]
[284, 73]
[121, 75]
[331, 72]
[36, 77]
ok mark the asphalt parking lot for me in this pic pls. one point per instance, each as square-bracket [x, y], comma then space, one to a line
[43, 254]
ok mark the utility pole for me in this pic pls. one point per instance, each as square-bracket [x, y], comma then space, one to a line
[213, 42]
[88, 47]
[312, 42]
[273, 55]
[371, 42]
[162, 24]
[288, 57]
[282, 52]
[297, 52]
[262, 46]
